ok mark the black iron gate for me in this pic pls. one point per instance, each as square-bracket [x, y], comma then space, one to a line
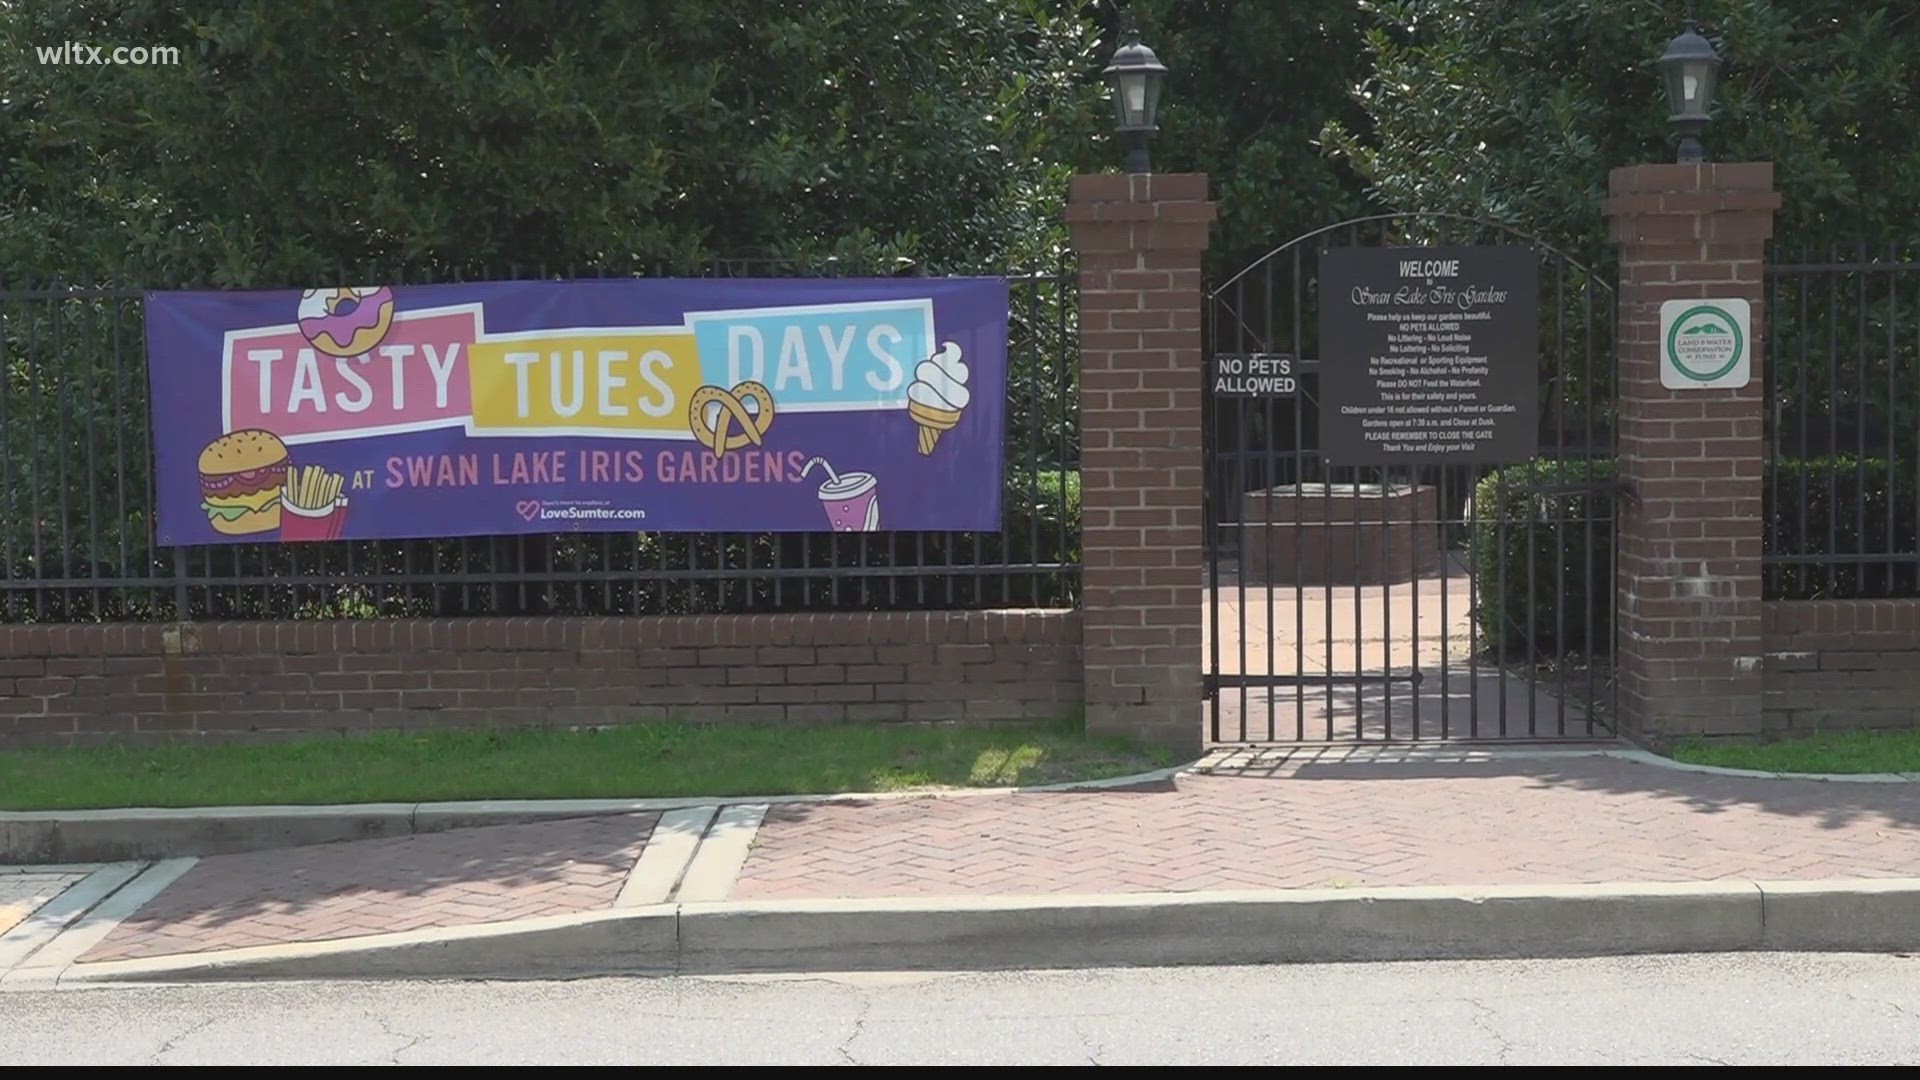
[1407, 602]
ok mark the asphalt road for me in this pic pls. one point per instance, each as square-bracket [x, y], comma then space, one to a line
[1731, 1010]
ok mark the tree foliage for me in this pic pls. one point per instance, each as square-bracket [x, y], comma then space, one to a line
[1517, 109]
[1252, 83]
[294, 139]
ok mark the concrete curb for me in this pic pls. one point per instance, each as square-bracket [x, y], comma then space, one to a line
[93, 836]
[1291, 926]
[632, 941]
[1648, 757]
[716, 867]
[664, 861]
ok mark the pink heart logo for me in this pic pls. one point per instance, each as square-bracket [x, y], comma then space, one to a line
[528, 509]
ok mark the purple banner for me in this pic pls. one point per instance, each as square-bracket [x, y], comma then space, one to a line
[728, 405]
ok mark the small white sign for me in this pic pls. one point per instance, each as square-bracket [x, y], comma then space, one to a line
[1706, 344]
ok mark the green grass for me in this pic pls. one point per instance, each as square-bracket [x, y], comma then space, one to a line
[1839, 752]
[626, 762]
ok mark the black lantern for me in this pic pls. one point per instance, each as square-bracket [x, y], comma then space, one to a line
[1690, 66]
[1135, 75]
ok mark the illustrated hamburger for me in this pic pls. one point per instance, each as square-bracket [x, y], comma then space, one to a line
[240, 478]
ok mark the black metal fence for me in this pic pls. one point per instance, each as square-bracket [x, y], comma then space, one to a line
[1842, 491]
[77, 504]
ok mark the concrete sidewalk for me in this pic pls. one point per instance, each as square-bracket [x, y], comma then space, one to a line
[1585, 853]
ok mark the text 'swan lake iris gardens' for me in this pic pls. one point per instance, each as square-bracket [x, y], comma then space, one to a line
[629, 405]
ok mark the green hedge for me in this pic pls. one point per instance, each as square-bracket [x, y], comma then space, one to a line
[1845, 504]
[1837, 503]
[1041, 511]
[1565, 538]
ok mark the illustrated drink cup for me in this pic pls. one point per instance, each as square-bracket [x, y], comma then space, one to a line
[851, 500]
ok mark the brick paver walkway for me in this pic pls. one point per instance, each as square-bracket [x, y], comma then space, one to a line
[362, 887]
[1559, 820]
[22, 893]
[1268, 819]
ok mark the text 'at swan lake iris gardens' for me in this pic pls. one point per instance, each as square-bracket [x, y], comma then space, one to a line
[363, 412]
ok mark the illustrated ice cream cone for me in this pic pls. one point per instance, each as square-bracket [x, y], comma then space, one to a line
[938, 395]
[933, 422]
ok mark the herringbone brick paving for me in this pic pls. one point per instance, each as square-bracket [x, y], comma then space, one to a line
[329, 891]
[1320, 824]
[1259, 822]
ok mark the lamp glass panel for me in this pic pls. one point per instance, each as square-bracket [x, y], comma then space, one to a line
[1132, 98]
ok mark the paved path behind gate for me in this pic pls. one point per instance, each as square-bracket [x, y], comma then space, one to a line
[1424, 625]
[1284, 629]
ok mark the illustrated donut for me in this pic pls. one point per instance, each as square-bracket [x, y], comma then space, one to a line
[346, 321]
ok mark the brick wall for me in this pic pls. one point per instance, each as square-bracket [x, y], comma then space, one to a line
[1841, 664]
[1689, 589]
[132, 683]
[1140, 240]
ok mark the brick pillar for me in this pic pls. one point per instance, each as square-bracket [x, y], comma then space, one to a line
[1140, 240]
[1690, 529]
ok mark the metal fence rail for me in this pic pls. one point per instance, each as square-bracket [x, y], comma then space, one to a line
[1842, 489]
[77, 504]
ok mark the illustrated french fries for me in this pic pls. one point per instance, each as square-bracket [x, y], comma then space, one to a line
[312, 488]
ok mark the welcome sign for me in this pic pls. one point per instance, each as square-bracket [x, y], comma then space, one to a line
[676, 405]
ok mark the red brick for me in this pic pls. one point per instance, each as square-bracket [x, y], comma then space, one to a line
[1690, 457]
[786, 694]
[241, 680]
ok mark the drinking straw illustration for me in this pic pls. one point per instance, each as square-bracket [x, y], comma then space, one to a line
[851, 500]
[806, 470]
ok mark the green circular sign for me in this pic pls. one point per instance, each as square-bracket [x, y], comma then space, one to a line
[1705, 343]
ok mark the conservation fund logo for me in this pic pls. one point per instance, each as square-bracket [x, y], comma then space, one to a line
[1704, 344]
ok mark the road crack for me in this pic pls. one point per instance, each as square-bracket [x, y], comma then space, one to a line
[408, 1041]
[1094, 1051]
[1483, 1020]
[173, 1043]
[1898, 1009]
[859, 1027]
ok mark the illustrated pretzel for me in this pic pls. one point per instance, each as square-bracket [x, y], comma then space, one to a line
[718, 435]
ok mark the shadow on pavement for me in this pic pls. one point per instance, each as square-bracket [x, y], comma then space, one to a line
[326, 891]
[1833, 804]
